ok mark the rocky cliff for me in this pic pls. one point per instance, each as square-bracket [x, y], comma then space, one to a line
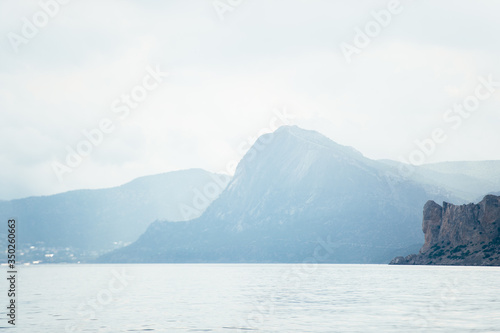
[459, 235]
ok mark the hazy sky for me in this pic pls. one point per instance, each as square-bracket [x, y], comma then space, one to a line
[228, 76]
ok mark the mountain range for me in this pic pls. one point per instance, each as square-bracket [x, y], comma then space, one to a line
[82, 224]
[295, 194]
[293, 190]
[467, 180]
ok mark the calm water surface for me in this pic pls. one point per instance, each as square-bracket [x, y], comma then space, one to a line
[231, 298]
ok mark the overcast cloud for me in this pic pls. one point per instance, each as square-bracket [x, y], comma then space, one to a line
[227, 76]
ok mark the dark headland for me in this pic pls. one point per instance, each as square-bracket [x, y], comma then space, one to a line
[467, 235]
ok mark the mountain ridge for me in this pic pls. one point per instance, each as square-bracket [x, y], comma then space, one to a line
[287, 192]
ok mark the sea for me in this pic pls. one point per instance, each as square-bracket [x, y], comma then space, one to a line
[230, 298]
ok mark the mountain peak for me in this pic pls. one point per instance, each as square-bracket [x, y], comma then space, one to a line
[292, 155]
[304, 134]
[291, 188]
[293, 140]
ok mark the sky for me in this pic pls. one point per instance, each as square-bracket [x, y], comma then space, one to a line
[96, 93]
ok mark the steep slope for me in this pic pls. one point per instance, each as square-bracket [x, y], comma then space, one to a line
[92, 221]
[459, 235]
[293, 190]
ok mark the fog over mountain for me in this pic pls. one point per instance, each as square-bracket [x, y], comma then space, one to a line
[293, 190]
[93, 221]
[467, 180]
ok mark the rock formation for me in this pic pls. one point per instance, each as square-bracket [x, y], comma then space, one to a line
[459, 235]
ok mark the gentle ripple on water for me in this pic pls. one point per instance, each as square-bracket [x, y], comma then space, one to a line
[257, 298]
